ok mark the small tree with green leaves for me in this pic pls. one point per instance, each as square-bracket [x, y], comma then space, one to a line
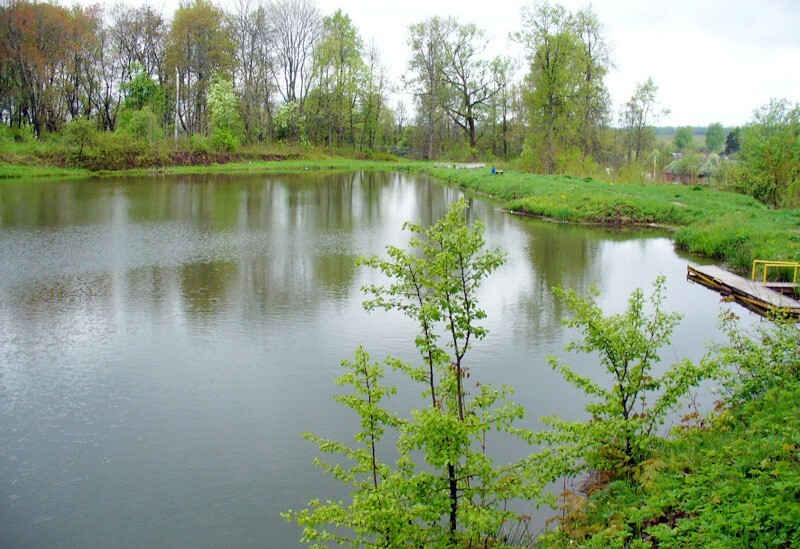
[753, 363]
[444, 489]
[291, 125]
[771, 153]
[624, 416]
[223, 108]
[81, 133]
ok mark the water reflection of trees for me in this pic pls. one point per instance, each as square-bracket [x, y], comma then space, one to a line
[558, 255]
[259, 243]
[297, 236]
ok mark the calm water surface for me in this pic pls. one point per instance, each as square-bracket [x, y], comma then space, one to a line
[163, 342]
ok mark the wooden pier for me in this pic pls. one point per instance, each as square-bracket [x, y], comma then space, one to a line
[754, 295]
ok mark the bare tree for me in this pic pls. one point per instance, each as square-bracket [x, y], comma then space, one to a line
[253, 73]
[295, 26]
[424, 77]
[138, 35]
[374, 96]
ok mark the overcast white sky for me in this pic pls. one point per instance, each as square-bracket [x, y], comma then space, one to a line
[712, 60]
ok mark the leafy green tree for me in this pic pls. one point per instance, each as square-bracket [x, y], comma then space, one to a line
[144, 106]
[340, 70]
[684, 138]
[291, 125]
[752, 364]
[715, 137]
[567, 100]
[593, 101]
[223, 109]
[80, 133]
[141, 90]
[625, 414]
[771, 152]
[141, 123]
[443, 490]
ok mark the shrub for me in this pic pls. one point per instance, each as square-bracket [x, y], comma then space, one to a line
[80, 133]
[224, 140]
[625, 415]
[119, 151]
[141, 124]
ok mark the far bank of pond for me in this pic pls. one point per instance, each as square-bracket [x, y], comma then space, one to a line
[730, 228]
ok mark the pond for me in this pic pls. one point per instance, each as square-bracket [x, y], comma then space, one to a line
[164, 341]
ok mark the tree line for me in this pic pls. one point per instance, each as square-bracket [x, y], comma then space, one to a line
[267, 71]
[304, 77]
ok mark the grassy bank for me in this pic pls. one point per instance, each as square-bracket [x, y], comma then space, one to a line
[725, 226]
[727, 480]
[735, 484]
[279, 162]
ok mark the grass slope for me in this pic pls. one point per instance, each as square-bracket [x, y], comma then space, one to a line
[726, 226]
[736, 484]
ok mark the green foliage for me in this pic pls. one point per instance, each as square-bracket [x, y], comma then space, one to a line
[684, 137]
[443, 490]
[724, 225]
[734, 481]
[142, 124]
[771, 152]
[80, 133]
[566, 98]
[120, 151]
[142, 91]
[753, 364]
[199, 144]
[198, 46]
[290, 124]
[340, 68]
[223, 108]
[715, 137]
[733, 141]
[624, 416]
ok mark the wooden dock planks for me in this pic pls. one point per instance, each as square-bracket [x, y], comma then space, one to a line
[753, 295]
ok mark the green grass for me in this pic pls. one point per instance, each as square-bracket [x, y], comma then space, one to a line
[736, 484]
[725, 226]
[294, 165]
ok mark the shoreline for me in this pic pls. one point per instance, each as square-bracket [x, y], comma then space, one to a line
[731, 228]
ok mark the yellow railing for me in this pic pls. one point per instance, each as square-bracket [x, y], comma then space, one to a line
[767, 265]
